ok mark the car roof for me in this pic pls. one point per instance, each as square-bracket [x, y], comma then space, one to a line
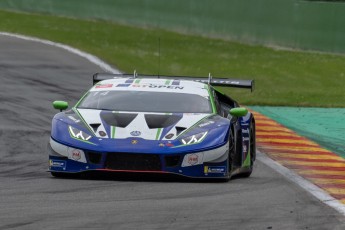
[152, 84]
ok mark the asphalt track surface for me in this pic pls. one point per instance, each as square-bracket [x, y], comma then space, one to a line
[32, 76]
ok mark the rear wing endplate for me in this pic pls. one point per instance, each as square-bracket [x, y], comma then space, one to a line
[226, 82]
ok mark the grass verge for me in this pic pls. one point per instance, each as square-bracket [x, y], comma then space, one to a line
[285, 78]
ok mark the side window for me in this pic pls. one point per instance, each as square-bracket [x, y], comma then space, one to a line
[225, 103]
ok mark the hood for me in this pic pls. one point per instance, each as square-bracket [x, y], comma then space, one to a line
[152, 132]
[148, 126]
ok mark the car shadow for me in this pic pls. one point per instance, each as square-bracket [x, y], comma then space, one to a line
[138, 177]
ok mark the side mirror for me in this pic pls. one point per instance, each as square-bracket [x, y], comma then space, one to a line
[238, 112]
[61, 105]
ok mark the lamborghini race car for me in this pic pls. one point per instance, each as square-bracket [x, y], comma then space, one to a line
[154, 124]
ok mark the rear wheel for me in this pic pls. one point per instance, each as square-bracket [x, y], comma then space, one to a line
[252, 150]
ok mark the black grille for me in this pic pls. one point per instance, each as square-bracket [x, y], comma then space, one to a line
[132, 161]
[172, 161]
[94, 158]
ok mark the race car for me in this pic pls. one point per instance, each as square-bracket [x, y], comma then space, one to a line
[130, 123]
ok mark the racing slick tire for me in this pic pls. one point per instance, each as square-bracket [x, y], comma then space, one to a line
[232, 152]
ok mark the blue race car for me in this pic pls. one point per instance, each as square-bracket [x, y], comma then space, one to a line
[154, 124]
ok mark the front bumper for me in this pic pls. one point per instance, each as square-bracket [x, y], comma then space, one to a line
[203, 164]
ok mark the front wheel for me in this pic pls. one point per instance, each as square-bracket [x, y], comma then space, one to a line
[231, 154]
[232, 149]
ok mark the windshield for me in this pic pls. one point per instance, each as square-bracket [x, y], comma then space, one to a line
[144, 101]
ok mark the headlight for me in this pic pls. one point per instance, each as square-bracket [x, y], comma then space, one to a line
[78, 134]
[196, 138]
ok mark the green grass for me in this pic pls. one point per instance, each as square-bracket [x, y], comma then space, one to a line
[282, 77]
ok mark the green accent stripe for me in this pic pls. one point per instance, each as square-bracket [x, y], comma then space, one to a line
[214, 109]
[81, 117]
[159, 131]
[113, 129]
[167, 82]
[137, 81]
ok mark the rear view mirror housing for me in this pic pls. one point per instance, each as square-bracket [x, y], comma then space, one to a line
[61, 105]
[238, 112]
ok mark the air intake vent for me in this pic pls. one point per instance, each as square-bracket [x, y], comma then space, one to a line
[94, 158]
[133, 161]
[172, 161]
[155, 121]
[95, 126]
[179, 130]
[121, 120]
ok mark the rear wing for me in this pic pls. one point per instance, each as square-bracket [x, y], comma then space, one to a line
[226, 82]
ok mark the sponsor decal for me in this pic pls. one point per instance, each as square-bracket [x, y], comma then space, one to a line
[104, 86]
[74, 119]
[246, 119]
[135, 133]
[161, 145]
[175, 82]
[214, 169]
[76, 155]
[169, 144]
[129, 81]
[123, 85]
[245, 130]
[245, 138]
[157, 86]
[57, 164]
[102, 133]
[245, 148]
[206, 123]
[169, 136]
[193, 159]
[134, 142]
[104, 93]
[220, 81]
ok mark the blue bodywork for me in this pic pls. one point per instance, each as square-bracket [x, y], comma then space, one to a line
[216, 138]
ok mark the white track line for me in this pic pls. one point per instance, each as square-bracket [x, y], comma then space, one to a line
[290, 175]
[305, 184]
[93, 59]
